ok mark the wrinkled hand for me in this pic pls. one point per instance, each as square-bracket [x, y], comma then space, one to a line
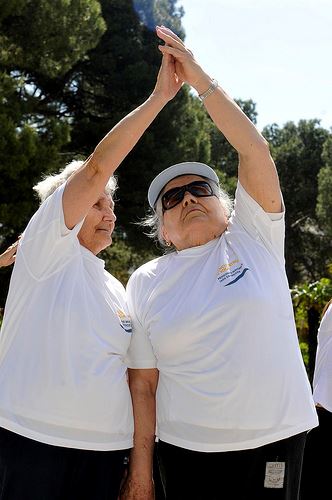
[186, 68]
[137, 490]
[168, 83]
[8, 256]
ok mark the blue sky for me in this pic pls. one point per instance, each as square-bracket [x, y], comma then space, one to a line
[276, 52]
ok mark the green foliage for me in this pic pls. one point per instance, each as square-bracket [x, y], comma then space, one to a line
[324, 198]
[121, 259]
[305, 352]
[40, 41]
[309, 301]
[48, 37]
[160, 12]
[327, 152]
[297, 151]
[25, 151]
[33, 130]
[310, 296]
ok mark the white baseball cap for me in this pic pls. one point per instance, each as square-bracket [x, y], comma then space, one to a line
[185, 168]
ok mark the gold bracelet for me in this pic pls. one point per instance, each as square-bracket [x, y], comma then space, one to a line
[212, 88]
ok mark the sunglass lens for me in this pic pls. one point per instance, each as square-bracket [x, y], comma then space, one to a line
[202, 189]
[172, 197]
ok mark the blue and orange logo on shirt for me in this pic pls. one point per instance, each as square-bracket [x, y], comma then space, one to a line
[230, 273]
[125, 321]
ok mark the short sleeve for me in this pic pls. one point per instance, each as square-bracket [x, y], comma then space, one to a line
[140, 353]
[47, 244]
[267, 228]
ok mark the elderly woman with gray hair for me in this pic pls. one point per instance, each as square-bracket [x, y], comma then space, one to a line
[215, 362]
[66, 419]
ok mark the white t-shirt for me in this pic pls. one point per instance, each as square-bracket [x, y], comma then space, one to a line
[322, 383]
[63, 341]
[217, 321]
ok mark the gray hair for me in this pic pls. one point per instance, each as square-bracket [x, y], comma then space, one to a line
[155, 218]
[49, 184]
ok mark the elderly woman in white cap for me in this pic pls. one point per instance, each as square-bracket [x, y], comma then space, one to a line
[215, 362]
[65, 408]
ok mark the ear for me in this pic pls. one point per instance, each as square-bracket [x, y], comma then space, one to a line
[164, 235]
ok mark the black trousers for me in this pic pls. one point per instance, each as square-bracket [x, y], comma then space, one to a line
[238, 475]
[316, 473]
[30, 470]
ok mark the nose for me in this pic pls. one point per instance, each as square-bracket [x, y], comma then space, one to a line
[109, 214]
[188, 198]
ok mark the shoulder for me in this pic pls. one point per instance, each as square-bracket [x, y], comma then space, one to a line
[114, 283]
[149, 271]
[48, 213]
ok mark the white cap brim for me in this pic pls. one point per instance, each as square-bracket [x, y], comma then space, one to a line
[185, 168]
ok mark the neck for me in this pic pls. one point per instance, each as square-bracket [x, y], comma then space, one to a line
[196, 240]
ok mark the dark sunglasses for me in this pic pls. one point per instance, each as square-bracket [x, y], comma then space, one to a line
[174, 196]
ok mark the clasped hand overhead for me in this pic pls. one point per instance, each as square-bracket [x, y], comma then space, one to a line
[178, 66]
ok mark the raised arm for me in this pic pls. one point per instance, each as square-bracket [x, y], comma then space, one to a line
[86, 185]
[139, 483]
[257, 171]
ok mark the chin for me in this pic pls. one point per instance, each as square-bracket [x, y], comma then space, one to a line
[107, 243]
